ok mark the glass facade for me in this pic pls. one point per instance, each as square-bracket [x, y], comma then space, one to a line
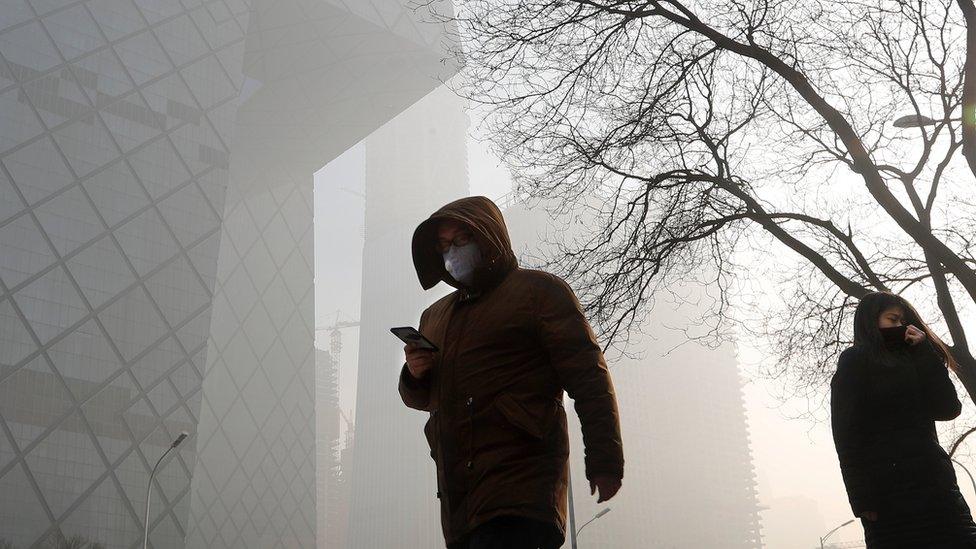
[156, 161]
[113, 168]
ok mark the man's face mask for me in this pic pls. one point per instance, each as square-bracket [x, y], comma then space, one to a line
[894, 336]
[461, 261]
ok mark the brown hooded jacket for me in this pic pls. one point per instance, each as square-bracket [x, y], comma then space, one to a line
[510, 344]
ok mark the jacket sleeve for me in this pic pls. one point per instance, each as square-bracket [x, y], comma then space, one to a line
[846, 413]
[582, 371]
[937, 393]
[416, 392]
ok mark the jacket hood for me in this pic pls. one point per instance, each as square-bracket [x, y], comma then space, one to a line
[488, 227]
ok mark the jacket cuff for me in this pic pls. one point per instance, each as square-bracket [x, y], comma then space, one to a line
[861, 504]
[604, 470]
[407, 379]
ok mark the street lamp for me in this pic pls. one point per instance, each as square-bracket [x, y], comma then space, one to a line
[179, 440]
[918, 120]
[572, 513]
[573, 531]
[964, 468]
[827, 535]
[598, 515]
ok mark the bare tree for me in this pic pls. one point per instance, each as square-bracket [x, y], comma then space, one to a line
[746, 145]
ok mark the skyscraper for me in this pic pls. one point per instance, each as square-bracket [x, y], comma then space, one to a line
[327, 445]
[415, 164]
[156, 163]
[689, 480]
[116, 119]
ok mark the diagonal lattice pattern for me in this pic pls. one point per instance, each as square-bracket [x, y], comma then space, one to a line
[155, 229]
[113, 166]
[255, 467]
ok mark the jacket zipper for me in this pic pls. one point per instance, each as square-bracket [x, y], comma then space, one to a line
[445, 491]
[469, 401]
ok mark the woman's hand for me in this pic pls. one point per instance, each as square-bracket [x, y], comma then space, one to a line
[914, 336]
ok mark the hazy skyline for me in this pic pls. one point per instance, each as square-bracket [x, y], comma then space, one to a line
[793, 456]
[186, 190]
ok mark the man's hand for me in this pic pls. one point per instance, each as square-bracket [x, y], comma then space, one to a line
[419, 360]
[608, 487]
[914, 336]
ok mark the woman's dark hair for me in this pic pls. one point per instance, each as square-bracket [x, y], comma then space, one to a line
[868, 336]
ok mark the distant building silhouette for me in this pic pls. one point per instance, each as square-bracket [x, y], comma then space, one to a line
[689, 481]
[338, 519]
[795, 522]
[327, 449]
[414, 165]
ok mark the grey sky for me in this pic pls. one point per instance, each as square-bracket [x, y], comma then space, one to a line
[799, 480]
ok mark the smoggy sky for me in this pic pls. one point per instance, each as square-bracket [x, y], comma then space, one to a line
[799, 480]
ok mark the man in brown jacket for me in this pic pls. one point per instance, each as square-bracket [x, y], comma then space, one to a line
[510, 341]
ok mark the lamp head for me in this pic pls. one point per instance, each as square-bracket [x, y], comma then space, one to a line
[913, 121]
[179, 440]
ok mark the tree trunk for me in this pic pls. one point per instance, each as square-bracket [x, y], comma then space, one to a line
[969, 85]
[966, 373]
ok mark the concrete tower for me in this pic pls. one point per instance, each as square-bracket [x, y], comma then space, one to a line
[414, 164]
[156, 162]
[688, 481]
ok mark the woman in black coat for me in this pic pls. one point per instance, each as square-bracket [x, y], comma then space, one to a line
[889, 390]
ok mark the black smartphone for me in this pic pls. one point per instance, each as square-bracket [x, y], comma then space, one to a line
[411, 336]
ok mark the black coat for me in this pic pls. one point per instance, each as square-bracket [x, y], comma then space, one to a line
[883, 414]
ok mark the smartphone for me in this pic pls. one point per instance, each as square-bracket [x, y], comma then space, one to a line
[411, 336]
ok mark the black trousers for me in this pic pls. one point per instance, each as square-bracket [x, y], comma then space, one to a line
[511, 533]
[922, 507]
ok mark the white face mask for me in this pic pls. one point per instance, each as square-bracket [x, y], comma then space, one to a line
[461, 261]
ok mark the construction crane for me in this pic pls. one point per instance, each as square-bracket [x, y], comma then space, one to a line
[335, 343]
[335, 334]
[335, 350]
[335, 337]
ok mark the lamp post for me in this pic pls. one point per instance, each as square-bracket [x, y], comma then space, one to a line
[827, 535]
[179, 440]
[573, 531]
[598, 515]
[970, 475]
[572, 513]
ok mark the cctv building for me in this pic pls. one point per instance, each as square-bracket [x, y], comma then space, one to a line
[156, 162]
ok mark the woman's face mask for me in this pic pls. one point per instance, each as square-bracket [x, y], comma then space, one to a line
[894, 336]
[461, 261]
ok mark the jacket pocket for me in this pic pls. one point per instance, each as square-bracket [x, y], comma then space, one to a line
[519, 416]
